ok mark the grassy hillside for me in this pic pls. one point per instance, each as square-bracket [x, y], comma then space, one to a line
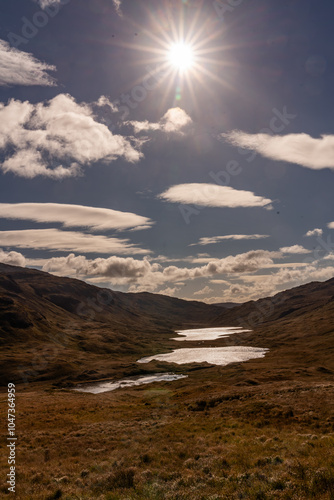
[258, 430]
[57, 328]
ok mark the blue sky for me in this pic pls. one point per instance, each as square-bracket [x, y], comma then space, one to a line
[208, 178]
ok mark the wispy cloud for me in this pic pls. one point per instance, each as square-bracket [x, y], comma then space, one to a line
[216, 239]
[57, 240]
[212, 195]
[203, 291]
[21, 68]
[47, 3]
[170, 291]
[315, 232]
[56, 138]
[117, 4]
[97, 219]
[295, 249]
[175, 120]
[300, 149]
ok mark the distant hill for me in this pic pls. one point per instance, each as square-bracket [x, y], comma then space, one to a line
[296, 325]
[39, 310]
[63, 329]
[227, 305]
[289, 304]
[35, 300]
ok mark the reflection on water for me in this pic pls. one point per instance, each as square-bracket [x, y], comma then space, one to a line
[213, 355]
[98, 387]
[208, 333]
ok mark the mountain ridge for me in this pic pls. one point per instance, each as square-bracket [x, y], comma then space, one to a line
[60, 329]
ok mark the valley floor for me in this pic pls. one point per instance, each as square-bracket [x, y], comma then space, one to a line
[195, 438]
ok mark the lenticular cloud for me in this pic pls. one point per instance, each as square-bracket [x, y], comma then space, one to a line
[301, 149]
[212, 195]
[21, 68]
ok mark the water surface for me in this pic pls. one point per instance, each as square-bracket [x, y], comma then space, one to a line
[105, 386]
[213, 355]
[208, 333]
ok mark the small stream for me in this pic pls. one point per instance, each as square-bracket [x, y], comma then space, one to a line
[98, 387]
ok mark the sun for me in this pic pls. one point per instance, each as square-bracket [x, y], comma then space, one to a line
[180, 52]
[181, 56]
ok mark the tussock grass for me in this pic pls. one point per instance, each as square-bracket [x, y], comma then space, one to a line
[262, 442]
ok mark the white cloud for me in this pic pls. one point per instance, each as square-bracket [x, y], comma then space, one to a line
[330, 225]
[212, 195]
[300, 149]
[56, 138]
[57, 240]
[238, 278]
[12, 258]
[117, 5]
[119, 269]
[241, 263]
[30, 163]
[267, 285]
[104, 102]
[141, 275]
[216, 239]
[169, 291]
[315, 232]
[175, 120]
[287, 265]
[247, 262]
[47, 3]
[241, 281]
[21, 68]
[97, 219]
[203, 291]
[295, 249]
[199, 259]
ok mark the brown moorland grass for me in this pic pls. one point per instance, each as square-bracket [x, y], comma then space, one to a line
[196, 438]
[263, 429]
